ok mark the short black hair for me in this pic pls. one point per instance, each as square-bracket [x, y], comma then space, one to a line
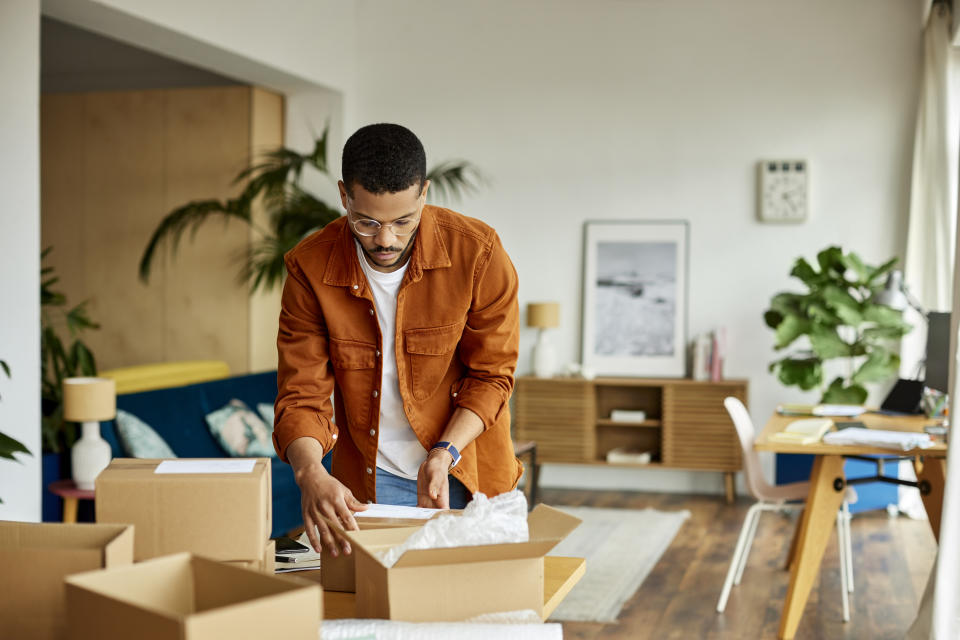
[383, 158]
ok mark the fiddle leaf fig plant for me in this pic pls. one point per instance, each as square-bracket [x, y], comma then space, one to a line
[836, 317]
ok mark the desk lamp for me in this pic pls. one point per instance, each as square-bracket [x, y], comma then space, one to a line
[89, 401]
[543, 316]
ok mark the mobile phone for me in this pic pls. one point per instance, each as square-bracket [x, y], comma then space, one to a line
[287, 545]
[846, 425]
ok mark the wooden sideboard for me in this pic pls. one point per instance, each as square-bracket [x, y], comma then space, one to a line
[686, 425]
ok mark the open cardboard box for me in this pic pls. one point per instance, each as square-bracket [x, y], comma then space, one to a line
[225, 516]
[338, 573]
[35, 558]
[187, 597]
[455, 583]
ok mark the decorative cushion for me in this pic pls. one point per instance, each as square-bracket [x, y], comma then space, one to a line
[265, 409]
[240, 431]
[139, 440]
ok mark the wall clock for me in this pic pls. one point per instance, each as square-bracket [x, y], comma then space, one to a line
[782, 190]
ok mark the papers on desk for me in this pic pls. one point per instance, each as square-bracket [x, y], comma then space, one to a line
[821, 410]
[896, 440]
[806, 431]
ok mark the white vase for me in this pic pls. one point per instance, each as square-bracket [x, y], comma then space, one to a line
[90, 455]
[544, 357]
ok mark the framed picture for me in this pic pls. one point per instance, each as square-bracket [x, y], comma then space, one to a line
[635, 298]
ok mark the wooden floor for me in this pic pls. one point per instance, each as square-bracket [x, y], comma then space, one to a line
[892, 558]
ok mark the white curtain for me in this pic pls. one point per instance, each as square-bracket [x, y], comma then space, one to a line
[928, 268]
[932, 275]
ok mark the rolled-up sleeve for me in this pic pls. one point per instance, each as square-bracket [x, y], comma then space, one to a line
[490, 341]
[304, 379]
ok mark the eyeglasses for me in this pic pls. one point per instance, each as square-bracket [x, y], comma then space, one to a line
[368, 227]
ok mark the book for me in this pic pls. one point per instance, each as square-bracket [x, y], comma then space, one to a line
[626, 455]
[628, 415]
[804, 431]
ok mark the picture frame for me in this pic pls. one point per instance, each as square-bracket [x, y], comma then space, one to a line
[635, 281]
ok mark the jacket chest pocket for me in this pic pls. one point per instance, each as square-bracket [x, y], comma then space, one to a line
[430, 351]
[354, 364]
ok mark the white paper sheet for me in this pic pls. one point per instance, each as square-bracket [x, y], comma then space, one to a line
[395, 511]
[244, 465]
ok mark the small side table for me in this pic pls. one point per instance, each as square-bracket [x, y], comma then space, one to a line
[67, 490]
[529, 449]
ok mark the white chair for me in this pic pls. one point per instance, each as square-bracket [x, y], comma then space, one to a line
[775, 498]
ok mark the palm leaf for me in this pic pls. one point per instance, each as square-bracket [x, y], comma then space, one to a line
[453, 179]
[10, 446]
[190, 216]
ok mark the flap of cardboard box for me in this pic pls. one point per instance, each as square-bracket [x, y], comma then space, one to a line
[33, 535]
[182, 584]
[548, 526]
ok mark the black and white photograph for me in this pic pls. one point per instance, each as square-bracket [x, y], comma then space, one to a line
[634, 298]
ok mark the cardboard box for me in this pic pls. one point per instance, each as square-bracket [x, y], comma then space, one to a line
[224, 516]
[458, 582]
[187, 597]
[338, 573]
[35, 558]
[266, 564]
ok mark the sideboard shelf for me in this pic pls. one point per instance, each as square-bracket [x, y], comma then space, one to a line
[687, 426]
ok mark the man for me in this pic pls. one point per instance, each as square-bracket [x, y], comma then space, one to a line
[407, 314]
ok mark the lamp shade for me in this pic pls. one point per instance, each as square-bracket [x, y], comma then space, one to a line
[89, 399]
[893, 294]
[543, 315]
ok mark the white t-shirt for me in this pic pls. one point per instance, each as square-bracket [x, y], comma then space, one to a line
[398, 450]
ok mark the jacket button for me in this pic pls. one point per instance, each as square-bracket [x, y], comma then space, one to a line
[378, 353]
[369, 470]
[454, 394]
[375, 393]
[373, 432]
[356, 286]
[371, 311]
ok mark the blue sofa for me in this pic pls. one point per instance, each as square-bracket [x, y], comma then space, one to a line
[177, 414]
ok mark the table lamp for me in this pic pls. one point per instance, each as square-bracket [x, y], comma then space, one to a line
[88, 401]
[543, 316]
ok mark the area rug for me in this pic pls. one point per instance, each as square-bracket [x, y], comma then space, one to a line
[621, 547]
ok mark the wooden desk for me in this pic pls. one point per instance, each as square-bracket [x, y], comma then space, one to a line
[826, 495]
[559, 577]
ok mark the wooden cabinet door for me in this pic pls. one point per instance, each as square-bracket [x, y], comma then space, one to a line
[697, 431]
[559, 415]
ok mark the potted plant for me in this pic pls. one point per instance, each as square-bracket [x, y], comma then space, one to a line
[9, 447]
[292, 211]
[836, 318]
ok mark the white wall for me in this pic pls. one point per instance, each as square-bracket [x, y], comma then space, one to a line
[659, 110]
[20, 253]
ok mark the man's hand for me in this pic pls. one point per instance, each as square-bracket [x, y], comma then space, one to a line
[322, 495]
[433, 486]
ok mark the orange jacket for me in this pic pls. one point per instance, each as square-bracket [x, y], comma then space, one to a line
[456, 345]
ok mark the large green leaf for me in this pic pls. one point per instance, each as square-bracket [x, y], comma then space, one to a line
[854, 263]
[790, 329]
[822, 314]
[806, 273]
[805, 373]
[839, 393]
[883, 316]
[885, 333]
[880, 365]
[827, 343]
[9, 447]
[843, 304]
[831, 261]
[772, 318]
[882, 270]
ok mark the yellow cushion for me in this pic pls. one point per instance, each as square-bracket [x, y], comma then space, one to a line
[147, 377]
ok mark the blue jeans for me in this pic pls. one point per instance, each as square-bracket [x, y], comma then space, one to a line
[393, 489]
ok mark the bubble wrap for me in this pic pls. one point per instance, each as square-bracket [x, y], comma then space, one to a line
[485, 521]
[515, 625]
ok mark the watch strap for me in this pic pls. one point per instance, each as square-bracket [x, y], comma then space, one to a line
[447, 446]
